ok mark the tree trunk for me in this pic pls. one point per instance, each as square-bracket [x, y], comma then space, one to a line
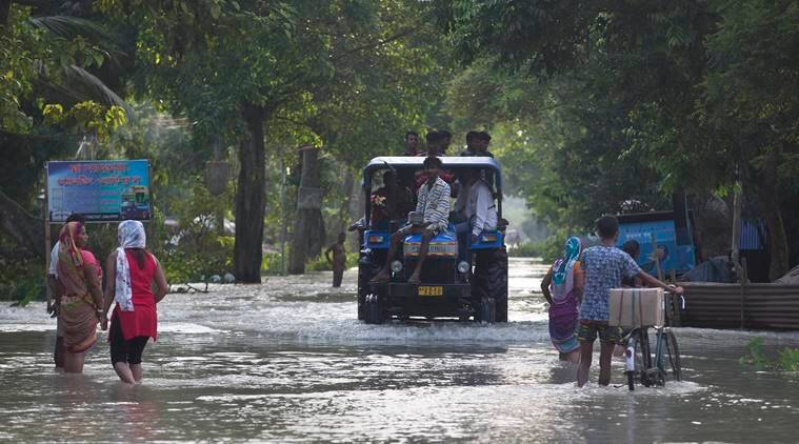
[778, 243]
[309, 227]
[778, 239]
[5, 7]
[250, 198]
[19, 226]
[344, 209]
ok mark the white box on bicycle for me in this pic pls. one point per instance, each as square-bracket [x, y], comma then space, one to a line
[636, 307]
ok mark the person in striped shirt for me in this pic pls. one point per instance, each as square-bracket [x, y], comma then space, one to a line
[433, 205]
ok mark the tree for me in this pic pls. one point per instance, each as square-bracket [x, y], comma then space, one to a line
[684, 82]
[239, 69]
[49, 90]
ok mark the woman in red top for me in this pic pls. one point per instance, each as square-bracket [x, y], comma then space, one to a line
[134, 320]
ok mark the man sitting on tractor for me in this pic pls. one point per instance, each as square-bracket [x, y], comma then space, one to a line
[475, 210]
[433, 205]
[390, 202]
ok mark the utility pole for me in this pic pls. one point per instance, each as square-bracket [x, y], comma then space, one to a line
[736, 225]
[283, 226]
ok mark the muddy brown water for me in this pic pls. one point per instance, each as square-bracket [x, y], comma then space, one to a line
[287, 362]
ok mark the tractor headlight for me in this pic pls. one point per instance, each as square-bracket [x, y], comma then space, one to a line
[396, 266]
[463, 267]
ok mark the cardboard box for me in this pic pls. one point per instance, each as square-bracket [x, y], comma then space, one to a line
[636, 307]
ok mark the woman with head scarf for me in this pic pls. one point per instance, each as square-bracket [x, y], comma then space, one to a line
[562, 287]
[79, 281]
[134, 320]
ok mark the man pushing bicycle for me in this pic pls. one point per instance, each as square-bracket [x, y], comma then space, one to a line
[604, 266]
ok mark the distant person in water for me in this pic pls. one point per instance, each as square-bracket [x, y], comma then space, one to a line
[339, 260]
[135, 320]
[54, 295]
[563, 287]
[633, 248]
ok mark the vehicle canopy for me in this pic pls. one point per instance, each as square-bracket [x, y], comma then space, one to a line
[450, 163]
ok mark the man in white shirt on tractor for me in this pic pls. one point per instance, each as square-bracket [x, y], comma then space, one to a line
[475, 208]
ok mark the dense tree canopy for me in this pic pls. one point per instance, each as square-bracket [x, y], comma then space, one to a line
[628, 100]
[595, 106]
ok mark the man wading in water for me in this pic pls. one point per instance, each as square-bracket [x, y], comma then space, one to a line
[604, 266]
[339, 261]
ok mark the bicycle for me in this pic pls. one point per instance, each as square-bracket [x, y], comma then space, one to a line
[644, 368]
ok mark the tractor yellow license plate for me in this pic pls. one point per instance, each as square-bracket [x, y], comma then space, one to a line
[431, 291]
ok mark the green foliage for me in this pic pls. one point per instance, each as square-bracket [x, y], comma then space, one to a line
[756, 357]
[603, 109]
[272, 263]
[196, 250]
[788, 360]
[40, 55]
[21, 281]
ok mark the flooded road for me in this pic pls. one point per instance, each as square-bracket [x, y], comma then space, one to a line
[287, 361]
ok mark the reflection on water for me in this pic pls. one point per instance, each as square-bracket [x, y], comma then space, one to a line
[286, 361]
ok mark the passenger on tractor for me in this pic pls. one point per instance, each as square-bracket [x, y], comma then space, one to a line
[411, 143]
[473, 142]
[485, 141]
[406, 176]
[435, 140]
[446, 140]
[474, 212]
[390, 202]
[433, 205]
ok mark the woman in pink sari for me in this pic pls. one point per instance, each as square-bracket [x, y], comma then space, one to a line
[80, 279]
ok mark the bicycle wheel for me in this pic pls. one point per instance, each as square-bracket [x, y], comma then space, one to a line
[644, 359]
[673, 351]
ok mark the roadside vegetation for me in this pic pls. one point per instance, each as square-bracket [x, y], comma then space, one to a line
[594, 107]
[786, 361]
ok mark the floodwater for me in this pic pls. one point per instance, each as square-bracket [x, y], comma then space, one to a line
[287, 361]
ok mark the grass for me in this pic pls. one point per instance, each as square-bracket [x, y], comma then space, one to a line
[788, 360]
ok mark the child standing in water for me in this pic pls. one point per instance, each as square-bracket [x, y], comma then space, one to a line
[562, 287]
[339, 261]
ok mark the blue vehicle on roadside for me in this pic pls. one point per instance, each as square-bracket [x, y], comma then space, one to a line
[666, 238]
[451, 286]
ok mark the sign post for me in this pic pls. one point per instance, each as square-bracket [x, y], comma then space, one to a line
[100, 191]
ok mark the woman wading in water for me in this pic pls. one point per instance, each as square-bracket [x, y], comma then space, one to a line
[135, 319]
[562, 287]
[80, 280]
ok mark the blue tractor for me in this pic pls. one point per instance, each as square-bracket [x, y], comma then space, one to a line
[465, 287]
